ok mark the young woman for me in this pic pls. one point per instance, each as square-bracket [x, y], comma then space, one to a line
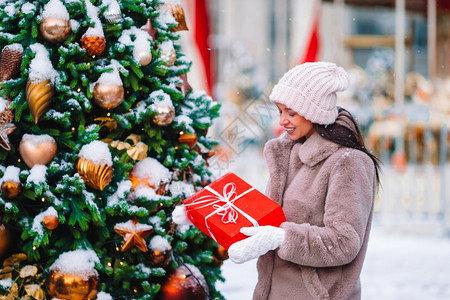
[325, 180]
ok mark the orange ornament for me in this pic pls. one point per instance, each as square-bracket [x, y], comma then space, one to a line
[186, 283]
[50, 222]
[94, 45]
[71, 286]
[189, 139]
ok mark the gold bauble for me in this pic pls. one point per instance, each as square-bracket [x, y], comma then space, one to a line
[11, 189]
[165, 114]
[178, 14]
[189, 139]
[97, 176]
[55, 30]
[5, 240]
[168, 54]
[71, 286]
[108, 95]
[50, 222]
[94, 45]
[37, 151]
[39, 96]
[144, 57]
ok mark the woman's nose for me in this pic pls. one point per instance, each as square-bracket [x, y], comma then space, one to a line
[283, 120]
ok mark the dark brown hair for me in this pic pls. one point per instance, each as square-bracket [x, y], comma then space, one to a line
[347, 137]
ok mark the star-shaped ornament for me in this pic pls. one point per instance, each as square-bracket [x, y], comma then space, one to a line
[185, 86]
[149, 28]
[133, 234]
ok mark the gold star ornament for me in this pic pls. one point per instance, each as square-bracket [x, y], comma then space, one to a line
[133, 234]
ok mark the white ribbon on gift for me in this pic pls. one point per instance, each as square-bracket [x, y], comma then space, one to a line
[223, 205]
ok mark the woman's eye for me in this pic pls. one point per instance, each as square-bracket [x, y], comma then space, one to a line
[291, 115]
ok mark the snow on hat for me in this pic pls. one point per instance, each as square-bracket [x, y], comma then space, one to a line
[310, 90]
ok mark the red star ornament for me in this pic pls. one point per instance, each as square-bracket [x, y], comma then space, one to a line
[133, 234]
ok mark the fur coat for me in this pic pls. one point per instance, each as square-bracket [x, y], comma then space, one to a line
[327, 193]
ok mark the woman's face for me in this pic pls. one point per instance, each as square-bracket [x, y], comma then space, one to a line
[295, 125]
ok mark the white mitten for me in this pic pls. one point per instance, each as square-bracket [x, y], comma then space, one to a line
[261, 240]
[179, 216]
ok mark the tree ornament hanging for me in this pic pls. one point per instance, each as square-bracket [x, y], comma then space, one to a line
[137, 150]
[108, 90]
[55, 26]
[94, 39]
[39, 96]
[165, 112]
[95, 165]
[73, 276]
[187, 282]
[133, 234]
[6, 127]
[142, 55]
[11, 189]
[50, 222]
[184, 86]
[112, 13]
[178, 13]
[220, 254]
[10, 61]
[37, 149]
[39, 90]
[168, 54]
[189, 139]
[160, 252]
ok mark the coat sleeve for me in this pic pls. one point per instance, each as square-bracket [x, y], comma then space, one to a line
[348, 207]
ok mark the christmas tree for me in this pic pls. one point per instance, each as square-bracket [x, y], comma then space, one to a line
[102, 136]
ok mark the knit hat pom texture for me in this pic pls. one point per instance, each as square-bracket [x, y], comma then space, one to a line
[310, 90]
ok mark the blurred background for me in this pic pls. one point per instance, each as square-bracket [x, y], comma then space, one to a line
[397, 53]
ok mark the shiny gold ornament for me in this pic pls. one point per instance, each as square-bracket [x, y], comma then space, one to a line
[178, 14]
[94, 45]
[39, 96]
[108, 95]
[37, 149]
[10, 61]
[11, 189]
[5, 240]
[133, 234]
[165, 114]
[137, 150]
[50, 222]
[71, 286]
[6, 127]
[144, 57]
[110, 123]
[168, 54]
[55, 30]
[189, 139]
[97, 176]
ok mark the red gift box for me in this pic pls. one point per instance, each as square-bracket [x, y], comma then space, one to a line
[223, 207]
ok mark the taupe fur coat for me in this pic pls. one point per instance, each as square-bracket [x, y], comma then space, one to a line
[327, 193]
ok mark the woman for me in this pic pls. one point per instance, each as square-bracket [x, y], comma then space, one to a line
[325, 180]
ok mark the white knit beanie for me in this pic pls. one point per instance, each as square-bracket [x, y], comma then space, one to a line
[310, 90]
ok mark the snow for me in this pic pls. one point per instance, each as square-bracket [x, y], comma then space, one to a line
[14, 47]
[165, 16]
[133, 226]
[78, 262]
[55, 9]
[177, 188]
[38, 174]
[104, 296]
[92, 12]
[97, 152]
[6, 283]
[123, 188]
[28, 8]
[36, 140]
[41, 67]
[166, 47]
[110, 78]
[159, 243]
[11, 174]
[152, 171]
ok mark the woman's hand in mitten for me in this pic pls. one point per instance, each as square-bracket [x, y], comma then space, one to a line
[179, 216]
[261, 240]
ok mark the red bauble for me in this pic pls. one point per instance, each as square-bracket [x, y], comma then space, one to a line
[184, 284]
